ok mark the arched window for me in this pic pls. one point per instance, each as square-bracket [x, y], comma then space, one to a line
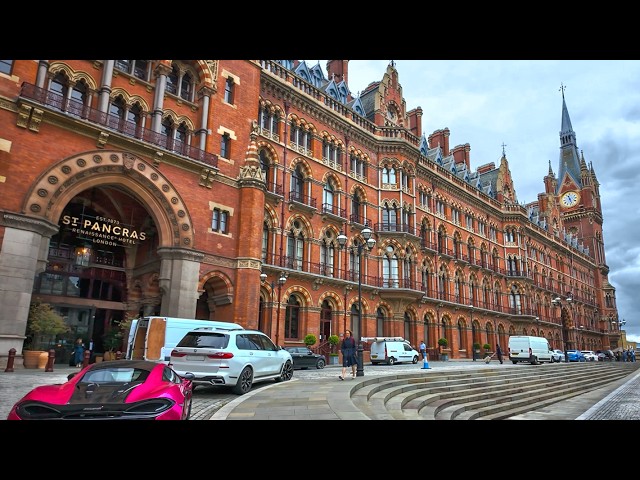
[327, 253]
[327, 195]
[379, 322]
[408, 269]
[265, 242]
[292, 319]
[172, 81]
[390, 268]
[297, 184]
[355, 322]
[356, 209]
[295, 246]
[515, 300]
[389, 218]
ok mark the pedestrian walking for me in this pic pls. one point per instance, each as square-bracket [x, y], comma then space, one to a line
[423, 350]
[499, 352]
[78, 353]
[348, 349]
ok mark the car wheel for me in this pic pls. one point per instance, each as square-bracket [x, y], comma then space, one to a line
[415, 359]
[286, 373]
[391, 361]
[245, 381]
[190, 402]
[320, 363]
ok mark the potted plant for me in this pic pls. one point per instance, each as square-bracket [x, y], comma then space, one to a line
[43, 324]
[112, 341]
[333, 356]
[310, 339]
[443, 343]
[487, 348]
[476, 347]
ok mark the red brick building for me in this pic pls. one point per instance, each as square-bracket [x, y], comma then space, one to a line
[224, 189]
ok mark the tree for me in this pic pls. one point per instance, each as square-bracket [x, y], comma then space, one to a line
[310, 339]
[42, 324]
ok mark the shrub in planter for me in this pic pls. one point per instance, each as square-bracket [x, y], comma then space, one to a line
[443, 342]
[486, 347]
[43, 324]
[333, 341]
[476, 347]
[310, 339]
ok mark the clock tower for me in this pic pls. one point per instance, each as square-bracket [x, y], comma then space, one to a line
[578, 207]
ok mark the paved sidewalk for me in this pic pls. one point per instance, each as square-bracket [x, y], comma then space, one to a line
[327, 398]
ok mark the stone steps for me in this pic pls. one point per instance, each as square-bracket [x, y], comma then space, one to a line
[491, 393]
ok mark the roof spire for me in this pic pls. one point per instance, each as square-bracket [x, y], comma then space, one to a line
[503, 145]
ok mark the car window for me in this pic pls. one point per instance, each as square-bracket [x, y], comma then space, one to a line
[204, 340]
[249, 341]
[407, 348]
[118, 375]
[267, 344]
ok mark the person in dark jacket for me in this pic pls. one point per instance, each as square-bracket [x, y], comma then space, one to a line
[349, 359]
[78, 353]
[499, 352]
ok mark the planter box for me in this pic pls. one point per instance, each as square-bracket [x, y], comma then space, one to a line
[334, 360]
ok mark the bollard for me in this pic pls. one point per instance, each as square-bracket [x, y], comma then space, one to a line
[425, 364]
[10, 360]
[50, 360]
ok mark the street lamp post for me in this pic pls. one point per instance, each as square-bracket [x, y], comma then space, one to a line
[281, 280]
[557, 302]
[473, 336]
[369, 243]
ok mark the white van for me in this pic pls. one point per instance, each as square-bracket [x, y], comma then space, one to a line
[153, 338]
[533, 350]
[391, 350]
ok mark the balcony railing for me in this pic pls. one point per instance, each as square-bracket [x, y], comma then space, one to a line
[301, 198]
[113, 122]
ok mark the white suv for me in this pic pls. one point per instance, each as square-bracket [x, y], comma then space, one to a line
[233, 357]
[590, 355]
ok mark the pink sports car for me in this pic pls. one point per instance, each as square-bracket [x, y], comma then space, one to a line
[114, 390]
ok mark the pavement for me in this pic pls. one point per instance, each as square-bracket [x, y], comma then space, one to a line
[321, 395]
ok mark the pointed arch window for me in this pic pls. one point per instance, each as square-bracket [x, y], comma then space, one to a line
[327, 255]
[390, 268]
[295, 247]
[265, 242]
[515, 300]
[379, 322]
[292, 319]
[356, 209]
[407, 270]
[389, 218]
[297, 184]
[327, 196]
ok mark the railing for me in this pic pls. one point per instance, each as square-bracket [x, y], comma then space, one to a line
[395, 227]
[334, 210]
[360, 220]
[113, 122]
[301, 198]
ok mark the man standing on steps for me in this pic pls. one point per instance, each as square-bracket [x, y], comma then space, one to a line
[499, 352]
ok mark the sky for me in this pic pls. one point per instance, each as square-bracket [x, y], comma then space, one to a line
[518, 103]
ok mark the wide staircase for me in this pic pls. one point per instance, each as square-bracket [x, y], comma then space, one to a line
[482, 394]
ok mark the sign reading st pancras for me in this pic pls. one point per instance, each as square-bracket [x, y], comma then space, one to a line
[106, 231]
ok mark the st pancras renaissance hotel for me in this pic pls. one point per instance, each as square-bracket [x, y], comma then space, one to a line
[264, 192]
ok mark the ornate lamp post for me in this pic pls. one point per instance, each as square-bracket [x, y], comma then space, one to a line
[368, 244]
[557, 302]
[473, 336]
[281, 281]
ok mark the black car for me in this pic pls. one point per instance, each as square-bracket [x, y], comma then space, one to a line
[304, 358]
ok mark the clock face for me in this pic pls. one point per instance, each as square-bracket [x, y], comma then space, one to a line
[569, 199]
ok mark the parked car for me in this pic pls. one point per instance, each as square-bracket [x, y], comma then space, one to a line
[112, 390]
[590, 355]
[303, 358]
[235, 358]
[557, 356]
[576, 356]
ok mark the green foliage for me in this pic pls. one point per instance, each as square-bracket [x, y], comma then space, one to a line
[443, 342]
[43, 322]
[112, 339]
[310, 339]
[486, 347]
[334, 340]
[476, 346]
